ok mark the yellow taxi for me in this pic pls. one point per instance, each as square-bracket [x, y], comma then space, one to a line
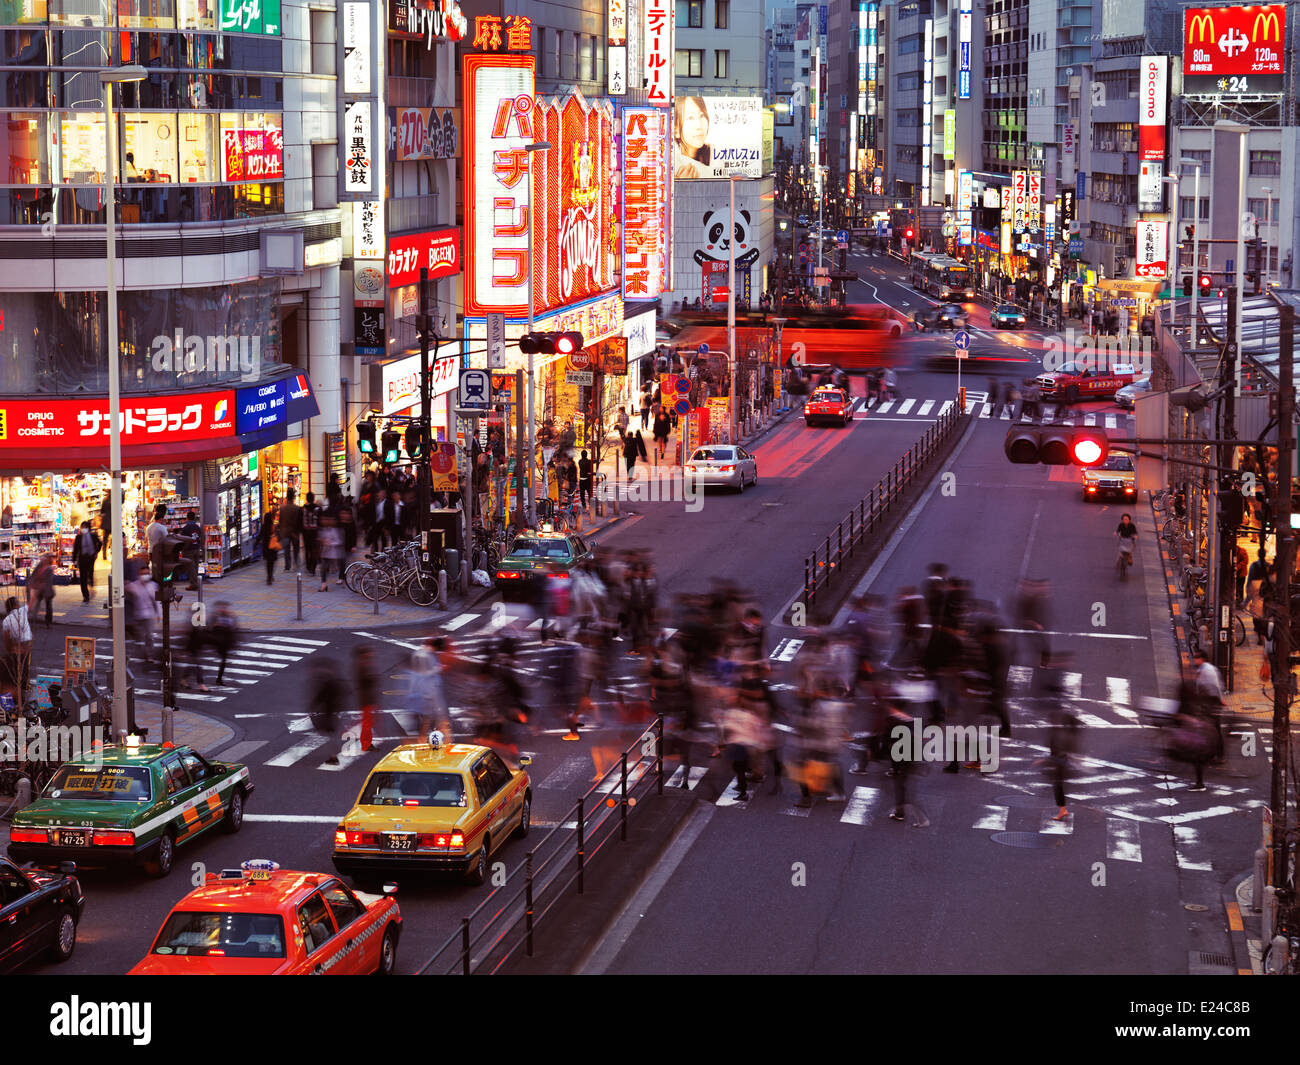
[432, 807]
[1117, 477]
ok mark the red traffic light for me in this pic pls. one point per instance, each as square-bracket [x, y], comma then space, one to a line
[1087, 450]
[1030, 445]
[1205, 282]
[907, 234]
[568, 343]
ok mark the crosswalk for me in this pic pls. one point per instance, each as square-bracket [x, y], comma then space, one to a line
[257, 657]
[979, 405]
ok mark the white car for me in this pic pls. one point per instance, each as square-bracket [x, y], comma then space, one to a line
[722, 466]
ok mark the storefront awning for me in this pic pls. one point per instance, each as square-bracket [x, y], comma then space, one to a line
[42, 460]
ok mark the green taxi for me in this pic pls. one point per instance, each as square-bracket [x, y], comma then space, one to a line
[129, 805]
[534, 554]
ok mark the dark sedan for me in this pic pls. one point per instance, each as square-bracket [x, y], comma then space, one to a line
[944, 316]
[39, 912]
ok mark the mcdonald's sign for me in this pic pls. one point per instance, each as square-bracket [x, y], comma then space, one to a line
[1234, 42]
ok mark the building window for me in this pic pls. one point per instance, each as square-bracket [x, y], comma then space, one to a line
[586, 59]
[720, 61]
[691, 13]
[1262, 209]
[322, 42]
[1193, 156]
[721, 14]
[909, 45]
[909, 82]
[1265, 164]
[690, 62]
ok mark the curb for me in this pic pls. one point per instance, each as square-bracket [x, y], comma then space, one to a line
[1230, 893]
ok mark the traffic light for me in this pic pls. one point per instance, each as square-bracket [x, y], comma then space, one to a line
[1205, 282]
[1187, 284]
[550, 343]
[1232, 506]
[392, 445]
[1031, 445]
[366, 437]
[568, 343]
[166, 558]
[417, 439]
[907, 233]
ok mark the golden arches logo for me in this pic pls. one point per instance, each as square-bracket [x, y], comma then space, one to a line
[1262, 22]
[1203, 22]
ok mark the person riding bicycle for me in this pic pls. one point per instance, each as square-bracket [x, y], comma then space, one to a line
[1126, 533]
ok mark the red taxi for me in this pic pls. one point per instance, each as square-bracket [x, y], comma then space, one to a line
[1075, 381]
[828, 405]
[261, 920]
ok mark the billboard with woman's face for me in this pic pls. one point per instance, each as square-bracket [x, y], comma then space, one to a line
[717, 136]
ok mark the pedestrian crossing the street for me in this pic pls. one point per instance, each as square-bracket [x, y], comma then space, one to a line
[980, 406]
[252, 661]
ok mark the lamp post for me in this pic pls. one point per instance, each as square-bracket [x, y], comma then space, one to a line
[731, 307]
[1196, 244]
[117, 612]
[1171, 271]
[1262, 266]
[536, 146]
[1241, 130]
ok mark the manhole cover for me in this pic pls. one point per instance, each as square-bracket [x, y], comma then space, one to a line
[1194, 907]
[1028, 840]
[1019, 800]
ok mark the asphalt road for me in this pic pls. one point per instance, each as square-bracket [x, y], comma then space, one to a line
[979, 878]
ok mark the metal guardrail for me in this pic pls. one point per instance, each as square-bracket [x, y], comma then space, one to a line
[491, 935]
[820, 568]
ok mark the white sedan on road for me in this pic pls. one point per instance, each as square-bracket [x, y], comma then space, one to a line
[723, 466]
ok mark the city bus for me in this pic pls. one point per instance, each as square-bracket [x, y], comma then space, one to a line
[943, 276]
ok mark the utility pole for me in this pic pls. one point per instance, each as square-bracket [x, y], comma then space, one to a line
[424, 475]
[1286, 442]
[1225, 582]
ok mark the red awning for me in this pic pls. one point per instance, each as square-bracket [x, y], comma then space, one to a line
[37, 460]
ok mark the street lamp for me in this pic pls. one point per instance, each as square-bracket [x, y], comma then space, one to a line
[1223, 126]
[536, 146]
[1171, 270]
[1196, 244]
[109, 78]
[1262, 265]
[731, 307]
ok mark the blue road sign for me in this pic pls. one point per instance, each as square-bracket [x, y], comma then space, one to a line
[703, 349]
[961, 340]
[842, 235]
[475, 388]
[683, 385]
[682, 406]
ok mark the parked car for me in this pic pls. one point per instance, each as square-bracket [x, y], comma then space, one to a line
[39, 913]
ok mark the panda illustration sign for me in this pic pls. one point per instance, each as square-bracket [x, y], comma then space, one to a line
[717, 136]
[714, 257]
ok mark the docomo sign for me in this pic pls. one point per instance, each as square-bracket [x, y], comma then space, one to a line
[1234, 41]
[437, 251]
[498, 122]
[1151, 118]
[1152, 260]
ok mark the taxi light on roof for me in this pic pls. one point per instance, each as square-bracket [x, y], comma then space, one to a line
[546, 527]
[436, 738]
[259, 868]
[132, 742]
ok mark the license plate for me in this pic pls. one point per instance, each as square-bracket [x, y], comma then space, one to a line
[65, 837]
[397, 841]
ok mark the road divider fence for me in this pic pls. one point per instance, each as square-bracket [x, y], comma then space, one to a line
[506, 921]
[823, 565]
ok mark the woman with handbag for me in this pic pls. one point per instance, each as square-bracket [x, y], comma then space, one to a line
[270, 541]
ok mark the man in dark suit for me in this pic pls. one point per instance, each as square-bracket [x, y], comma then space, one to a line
[85, 549]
